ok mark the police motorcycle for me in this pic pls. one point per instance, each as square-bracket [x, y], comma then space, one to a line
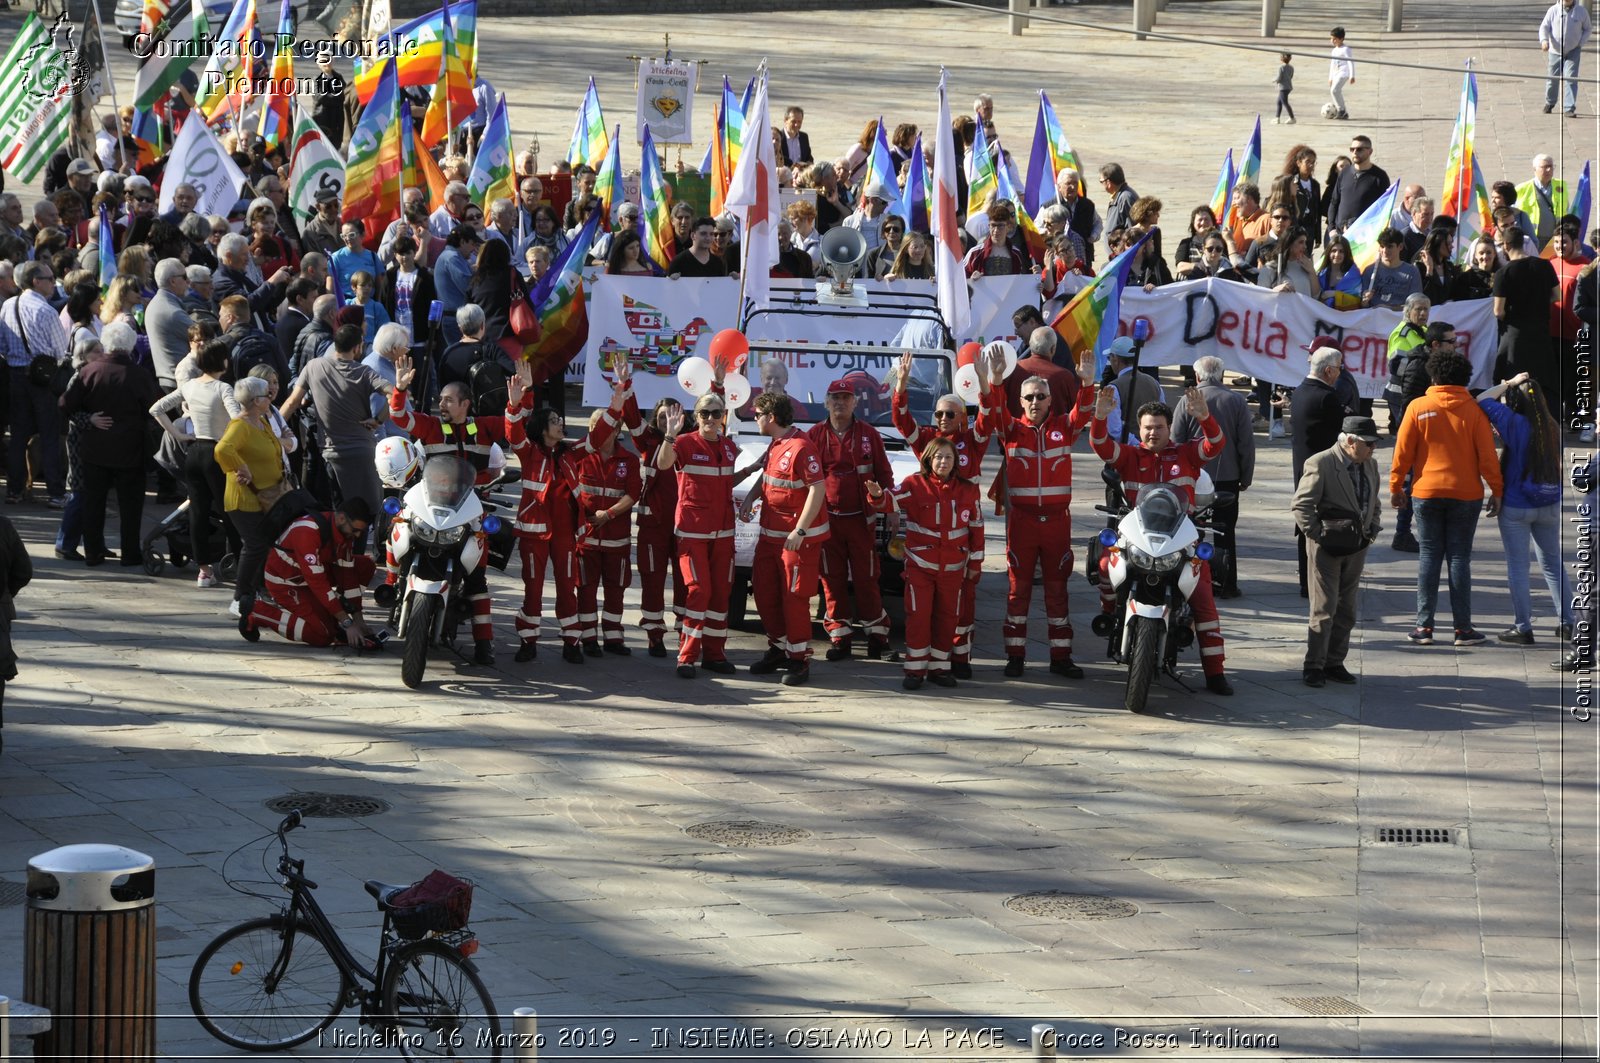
[439, 535]
[1150, 554]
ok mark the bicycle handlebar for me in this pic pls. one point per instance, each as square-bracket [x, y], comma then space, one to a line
[290, 822]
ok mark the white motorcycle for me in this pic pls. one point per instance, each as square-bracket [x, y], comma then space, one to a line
[1152, 559]
[439, 537]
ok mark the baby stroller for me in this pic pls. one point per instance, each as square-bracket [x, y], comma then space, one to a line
[174, 527]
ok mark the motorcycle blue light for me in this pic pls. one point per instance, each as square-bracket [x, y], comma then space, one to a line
[491, 524]
[1108, 537]
[1203, 551]
[393, 506]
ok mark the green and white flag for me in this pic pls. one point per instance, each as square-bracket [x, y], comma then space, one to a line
[171, 49]
[37, 81]
[313, 166]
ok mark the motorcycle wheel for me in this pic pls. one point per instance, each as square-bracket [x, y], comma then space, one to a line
[1146, 645]
[419, 629]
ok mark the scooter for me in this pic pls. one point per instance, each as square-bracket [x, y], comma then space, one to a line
[439, 536]
[1151, 556]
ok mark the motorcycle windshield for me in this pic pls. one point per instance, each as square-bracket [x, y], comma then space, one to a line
[448, 480]
[1161, 510]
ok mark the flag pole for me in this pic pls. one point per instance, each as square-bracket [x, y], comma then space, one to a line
[100, 31]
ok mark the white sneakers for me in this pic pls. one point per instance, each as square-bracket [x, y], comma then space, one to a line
[206, 578]
[233, 608]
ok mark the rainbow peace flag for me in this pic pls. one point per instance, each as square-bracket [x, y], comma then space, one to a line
[984, 183]
[492, 177]
[1363, 232]
[656, 200]
[105, 240]
[1249, 170]
[588, 144]
[1050, 154]
[880, 170]
[418, 47]
[277, 107]
[733, 124]
[226, 83]
[148, 135]
[558, 300]
[1083, 322]
[410, 167]
[915, 204]
[608, 181]
[452, 101]
[1466, 195]
[1223, 193]
[373, 163]
[432, 177]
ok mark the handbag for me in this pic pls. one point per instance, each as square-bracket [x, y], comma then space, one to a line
[1342, 532]
[267, 496]
[41, 367]
[522, 321]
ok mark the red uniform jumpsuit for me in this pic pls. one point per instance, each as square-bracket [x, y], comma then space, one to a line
[311, 578]
[470, 441]
[604, 541]
[1180, 465]
[704, 525]
[657, 550]
[944, 546]
[850, 556]
[546, 524]
[1039, 520]
[971, 445]
[781, 579]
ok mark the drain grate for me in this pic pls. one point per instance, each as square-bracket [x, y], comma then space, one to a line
[1054, 904]
[12, 893]
[746, 833]
[1415, 836]
[1326, 1005]
[328, 806]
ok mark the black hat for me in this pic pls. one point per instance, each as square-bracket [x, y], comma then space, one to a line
[1363, 428]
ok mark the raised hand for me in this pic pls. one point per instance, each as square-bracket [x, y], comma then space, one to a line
[997, 365]
[1105, 402]
[675, 421]
[904, 375]
[404, 372]
[1197, 403]
[622, 371]
[515, 389]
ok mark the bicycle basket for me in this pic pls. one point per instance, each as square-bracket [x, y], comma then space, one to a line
[439, 902]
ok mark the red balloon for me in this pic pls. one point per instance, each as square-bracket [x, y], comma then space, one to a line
[728, 350]
[968, 354]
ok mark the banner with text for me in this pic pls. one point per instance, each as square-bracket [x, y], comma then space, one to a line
[1261, 333]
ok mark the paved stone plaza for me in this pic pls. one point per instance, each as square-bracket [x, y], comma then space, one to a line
[1244, 831]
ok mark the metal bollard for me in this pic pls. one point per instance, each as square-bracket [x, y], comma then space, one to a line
[525, 1028]
[91, 951]
[5, 1028]
[1044, 1041]
[1019, 17]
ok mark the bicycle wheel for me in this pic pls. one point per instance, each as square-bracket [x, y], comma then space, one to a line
[438, 1005]
[255, 988]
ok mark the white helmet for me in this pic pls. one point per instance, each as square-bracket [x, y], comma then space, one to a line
[1205, 492]
[497, 458]
[397, 460]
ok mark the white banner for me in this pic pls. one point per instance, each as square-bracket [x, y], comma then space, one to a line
[1261, 333]
[198, 156]
[656, 324]
[666, 101]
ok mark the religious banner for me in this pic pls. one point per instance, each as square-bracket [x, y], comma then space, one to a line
[666, 101]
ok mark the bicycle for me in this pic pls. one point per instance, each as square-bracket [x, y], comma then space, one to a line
[278, 981]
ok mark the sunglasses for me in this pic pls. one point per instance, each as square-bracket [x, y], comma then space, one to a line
[1282, 217]
[1034, 398]
[145, 199]
[940, 415]
[711, 415]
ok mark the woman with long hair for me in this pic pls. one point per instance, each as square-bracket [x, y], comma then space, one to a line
[1337, 167]
[1202, 220]
[627, 255]
[1292, 269]
[81, 315]
[1531, 508]
[491, 288]
[1476, 281]
[1300, 165]
[856, 158]
[1433, 262]
[914, 260]
[1339, 278]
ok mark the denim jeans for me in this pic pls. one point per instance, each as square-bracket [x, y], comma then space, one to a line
[1563, 66]
[1444, 528]
[70, 534]
[1543, 527]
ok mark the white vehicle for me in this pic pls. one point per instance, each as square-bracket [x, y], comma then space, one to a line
[439, 537]
[1152, 559]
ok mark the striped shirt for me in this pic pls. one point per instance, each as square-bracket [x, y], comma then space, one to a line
[39, 322]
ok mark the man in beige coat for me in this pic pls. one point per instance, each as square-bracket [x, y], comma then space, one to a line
[1336, 506]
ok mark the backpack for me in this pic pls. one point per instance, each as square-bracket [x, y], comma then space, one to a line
[486, 379]
[291, 507]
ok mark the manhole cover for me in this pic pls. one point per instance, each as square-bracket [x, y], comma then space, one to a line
[12, 894]
[1053, 904]
[328, 806]
[1326, 1005]
[746, 833]
[1414, 836]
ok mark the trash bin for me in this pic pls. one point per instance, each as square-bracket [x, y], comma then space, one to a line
[91, 951]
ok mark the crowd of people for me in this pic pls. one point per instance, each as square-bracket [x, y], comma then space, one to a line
[265, 351]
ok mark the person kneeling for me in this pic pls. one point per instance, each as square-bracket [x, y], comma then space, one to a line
[316, 579]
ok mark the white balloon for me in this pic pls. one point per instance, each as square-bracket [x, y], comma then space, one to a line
[736, 389]
[967, 385]
[1006, 349]
[695, 374]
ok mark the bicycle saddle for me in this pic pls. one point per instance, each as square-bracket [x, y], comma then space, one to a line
[384, 892]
